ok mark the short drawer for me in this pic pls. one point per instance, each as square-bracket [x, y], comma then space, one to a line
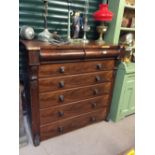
[71, 81]
[60, 127]
[50, 70]
[62, 112]
[72, 95]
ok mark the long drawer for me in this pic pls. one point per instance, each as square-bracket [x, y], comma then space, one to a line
[72, 95]
[62, 112]
[73, 81]
[57, 128]
[50, 70]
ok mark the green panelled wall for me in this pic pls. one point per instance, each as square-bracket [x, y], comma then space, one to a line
[31, 13]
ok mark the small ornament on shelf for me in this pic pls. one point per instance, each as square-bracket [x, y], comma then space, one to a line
[132, 22]
[128, 42]
[130, 2]
[125, 22]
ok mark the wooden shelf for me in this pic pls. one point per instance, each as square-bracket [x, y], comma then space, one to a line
[127, 29]
[130, 6]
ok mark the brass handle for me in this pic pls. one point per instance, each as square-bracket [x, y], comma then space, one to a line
[99, 66]
[60, 129]
[60, 113]
[98, 78]
[96, 91]
[93, 105]
[61, 84]
[92, 119]
[61, 98]
[62, 69]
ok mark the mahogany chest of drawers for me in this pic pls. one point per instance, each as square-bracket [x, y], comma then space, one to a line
[69, 86]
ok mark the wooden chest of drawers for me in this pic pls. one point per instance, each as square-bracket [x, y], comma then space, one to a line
[69, 86]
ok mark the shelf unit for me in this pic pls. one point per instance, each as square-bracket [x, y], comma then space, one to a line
[115, 30]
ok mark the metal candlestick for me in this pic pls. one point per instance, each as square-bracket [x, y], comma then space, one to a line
[45, 35]
[86, 27]
[69, 22]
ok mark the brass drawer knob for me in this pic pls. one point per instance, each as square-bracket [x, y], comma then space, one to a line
[99, 66]
[61, 98]
[92, 119]
[96, 91]
[98, 78]
[93, 105]
[61, 84]
[60, 113]
[62, 69]
[60, 129]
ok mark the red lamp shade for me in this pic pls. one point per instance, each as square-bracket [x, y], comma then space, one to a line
[103, 14]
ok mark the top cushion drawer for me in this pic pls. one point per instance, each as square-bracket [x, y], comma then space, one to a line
[49, 70]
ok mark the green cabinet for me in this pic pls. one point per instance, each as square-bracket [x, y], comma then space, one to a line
[123, 100]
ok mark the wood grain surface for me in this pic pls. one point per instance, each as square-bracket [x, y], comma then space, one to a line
[51, 70]
[72, 95]
[72, 81]
[60, 127]
[52, 114]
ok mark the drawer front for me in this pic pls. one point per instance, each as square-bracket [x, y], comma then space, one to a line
[62, 112]
[51, 70]
[58, 83]
[72, 95]
[58, 128]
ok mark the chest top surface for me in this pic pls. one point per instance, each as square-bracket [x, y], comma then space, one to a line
[38, 45]
[45, 52]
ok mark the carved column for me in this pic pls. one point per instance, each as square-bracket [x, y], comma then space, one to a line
[34, 104]
[34, 62]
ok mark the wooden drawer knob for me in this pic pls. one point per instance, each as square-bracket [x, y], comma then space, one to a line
[61, 98]
[60, 129]
[61, 84]
[60, 113]
[62, 69]
[93, 105]
[98, 78]
[96, 91]
[99, 66]
[92, 119]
